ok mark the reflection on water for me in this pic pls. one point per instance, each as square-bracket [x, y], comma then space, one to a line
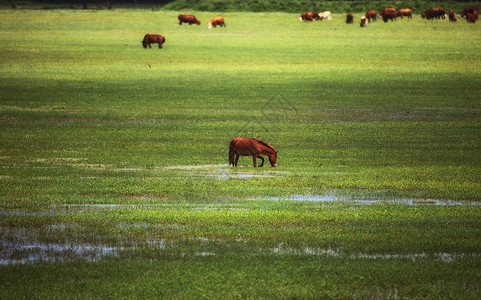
[224, 172]
[442, 256]
[27, 245]
[333, 197]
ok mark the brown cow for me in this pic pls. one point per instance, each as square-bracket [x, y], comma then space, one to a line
[349, 18]
[217, 21]
[390, 9]
[472, 17]
[363, 21]
[470, 9]
[371, 15]
[387, 15]
[153, 38]
[452, 16]
[191, 19]
[308, 16]
[405, 12]
[432, 13]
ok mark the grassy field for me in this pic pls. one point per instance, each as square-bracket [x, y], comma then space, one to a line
[113, 158]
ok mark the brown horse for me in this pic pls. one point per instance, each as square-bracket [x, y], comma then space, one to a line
[251, 147]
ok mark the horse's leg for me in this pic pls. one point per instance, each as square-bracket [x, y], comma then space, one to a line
[150, 46]
[262, 158]
[160, 45]
[236, 159]
[255, 161]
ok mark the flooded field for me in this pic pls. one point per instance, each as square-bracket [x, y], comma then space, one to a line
[24, 246]
[94, 232]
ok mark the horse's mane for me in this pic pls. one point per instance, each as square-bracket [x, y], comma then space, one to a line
[264, 144]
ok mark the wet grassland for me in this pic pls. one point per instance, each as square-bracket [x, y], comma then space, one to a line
[113, 158]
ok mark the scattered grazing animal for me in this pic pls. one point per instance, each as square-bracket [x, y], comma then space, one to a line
[470, 10]
[349, 18]
[251, 147]
[308, 16]
[152, 39]
[388, 15]
[217, 21]
[405, 12]
[371, 15]
[452, 16]
[191, 19]
[325, 15]
[389, 9]
[472, 17]
[363, 21]
[434, 13]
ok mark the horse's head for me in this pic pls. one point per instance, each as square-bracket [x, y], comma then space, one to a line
[273, 159]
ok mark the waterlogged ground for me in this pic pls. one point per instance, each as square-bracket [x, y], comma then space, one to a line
[333, 224]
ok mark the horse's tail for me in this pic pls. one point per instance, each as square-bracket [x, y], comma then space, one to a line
[231, 153]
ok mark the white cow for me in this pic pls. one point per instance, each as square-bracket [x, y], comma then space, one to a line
[325, 15]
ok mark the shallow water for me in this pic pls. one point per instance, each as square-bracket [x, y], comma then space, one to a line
[333, 197]
[442, 256]
[28, 250]
[225, 172]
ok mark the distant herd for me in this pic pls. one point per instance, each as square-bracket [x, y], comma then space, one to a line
[470, 14]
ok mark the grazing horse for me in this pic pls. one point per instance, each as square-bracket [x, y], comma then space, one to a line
[251, 147]
[153, 38]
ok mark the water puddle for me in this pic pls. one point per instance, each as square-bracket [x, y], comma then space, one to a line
[35, 252]
[27, 246]
[224, 172]
[442, 256]
[333, 197]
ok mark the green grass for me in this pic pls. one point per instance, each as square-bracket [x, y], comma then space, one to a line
[107, 146]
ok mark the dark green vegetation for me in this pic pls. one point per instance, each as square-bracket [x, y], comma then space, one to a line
[113, 161]
[292, 6]
[295, 6]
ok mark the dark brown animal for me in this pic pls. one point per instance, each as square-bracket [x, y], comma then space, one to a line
[371, 15]
[470, 10]
[153, 39]
[388, 15]
[251, 147]
[404, 12]
[191, 19]
[309, 16]
[349, 18]
[363, 21]
[217, 21]
[452, 16]
[389, 9]
[434, 13]
[472, 17]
